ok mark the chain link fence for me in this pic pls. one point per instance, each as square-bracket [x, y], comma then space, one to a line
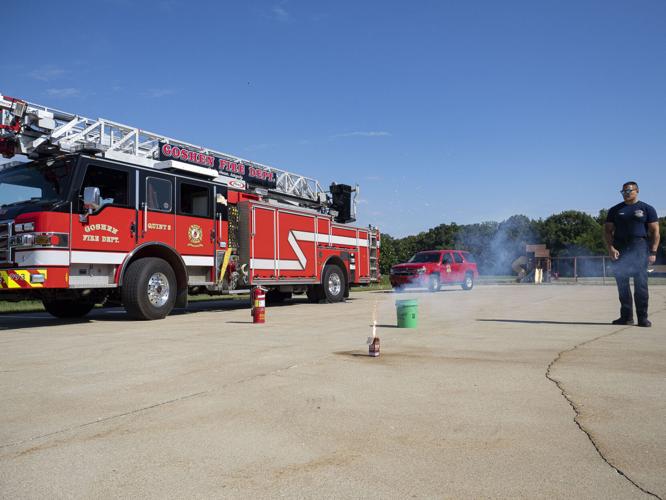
[591, 268]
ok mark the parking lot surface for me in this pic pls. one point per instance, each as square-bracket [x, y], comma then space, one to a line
[515, 391]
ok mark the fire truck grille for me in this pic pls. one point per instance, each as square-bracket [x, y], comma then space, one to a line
[5, 234]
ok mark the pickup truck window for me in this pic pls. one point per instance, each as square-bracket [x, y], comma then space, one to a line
[468, 257]
[447, 259]
[425, 257]
[458, 258]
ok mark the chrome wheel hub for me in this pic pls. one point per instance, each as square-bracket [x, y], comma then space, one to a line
[158, 289]
[334, 284]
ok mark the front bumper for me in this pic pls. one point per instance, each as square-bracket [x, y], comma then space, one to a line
[420, 280]
[33, 278]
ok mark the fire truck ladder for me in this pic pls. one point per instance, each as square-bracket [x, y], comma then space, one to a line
[36, 131]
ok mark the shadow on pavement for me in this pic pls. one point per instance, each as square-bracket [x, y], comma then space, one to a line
[545, 322]
[417, 291]
[18, 321]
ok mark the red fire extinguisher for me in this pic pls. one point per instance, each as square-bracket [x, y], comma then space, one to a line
[258, 305]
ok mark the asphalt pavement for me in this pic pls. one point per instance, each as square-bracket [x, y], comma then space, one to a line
[513, 391]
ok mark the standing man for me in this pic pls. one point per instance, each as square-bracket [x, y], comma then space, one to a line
[632, 238]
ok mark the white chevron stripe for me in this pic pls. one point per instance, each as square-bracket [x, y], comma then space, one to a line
[302, 261]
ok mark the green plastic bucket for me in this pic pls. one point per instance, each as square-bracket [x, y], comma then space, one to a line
[407, 313]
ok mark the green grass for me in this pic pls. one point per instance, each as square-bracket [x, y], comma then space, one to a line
[23, 306]
[383, 284]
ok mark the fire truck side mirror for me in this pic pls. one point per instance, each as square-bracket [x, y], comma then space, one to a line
[91, 201]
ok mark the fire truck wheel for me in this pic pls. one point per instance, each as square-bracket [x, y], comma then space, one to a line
[276, 297]
[67, 308]
[468, 283]
[334, 284]
[433, 283]
[149, 288]
[315, 293]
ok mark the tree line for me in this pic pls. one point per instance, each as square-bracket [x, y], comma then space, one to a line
[495, 245]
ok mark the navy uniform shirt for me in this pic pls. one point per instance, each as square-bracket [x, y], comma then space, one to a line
[630, 222]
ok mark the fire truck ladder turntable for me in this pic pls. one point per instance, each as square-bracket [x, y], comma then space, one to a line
[38, 131]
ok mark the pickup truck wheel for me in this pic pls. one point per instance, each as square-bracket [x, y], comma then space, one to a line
[468, 282]
[433, 283]
[149, 288]
[67, 308]
[334, 284]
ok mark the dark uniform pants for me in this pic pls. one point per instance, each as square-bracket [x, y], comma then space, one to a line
[633, 263]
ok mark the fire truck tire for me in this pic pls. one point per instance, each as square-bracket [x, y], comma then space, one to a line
[276, 297]
[468, 282]
[334, 284]
[433, 283]
[149, 288]
[315, 293]
[67, 308]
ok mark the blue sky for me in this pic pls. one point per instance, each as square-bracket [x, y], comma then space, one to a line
[443, 111]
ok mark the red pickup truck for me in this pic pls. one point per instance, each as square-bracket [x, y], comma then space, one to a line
[434, 268]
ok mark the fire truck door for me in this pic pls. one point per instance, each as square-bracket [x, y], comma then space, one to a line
[156, 220]
[107, 234]
[195, 222]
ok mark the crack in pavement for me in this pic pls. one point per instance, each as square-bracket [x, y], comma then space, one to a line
[573, 405]
[149, 407]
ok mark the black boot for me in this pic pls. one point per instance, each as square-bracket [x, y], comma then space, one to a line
[623, 321]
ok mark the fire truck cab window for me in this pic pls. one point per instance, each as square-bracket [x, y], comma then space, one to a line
[447, 259]
[158, 194]
[458, 258]
[194, 200]
[113, 184]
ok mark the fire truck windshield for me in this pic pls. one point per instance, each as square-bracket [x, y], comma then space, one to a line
[37, 181]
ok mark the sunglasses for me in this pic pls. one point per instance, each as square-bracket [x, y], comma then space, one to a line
[627, 191]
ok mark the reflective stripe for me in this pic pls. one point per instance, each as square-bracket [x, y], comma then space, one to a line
[198, 260]
[285, 265]
[20, 278]
[81, 257]
[42, 258]
[301, 262]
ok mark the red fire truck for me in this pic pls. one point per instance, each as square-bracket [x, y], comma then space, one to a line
[108, 212]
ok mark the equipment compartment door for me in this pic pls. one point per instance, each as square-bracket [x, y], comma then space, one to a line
[296, 245]
[263, 264]
[363, 257]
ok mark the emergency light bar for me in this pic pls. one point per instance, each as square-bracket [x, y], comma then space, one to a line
[187, 167]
